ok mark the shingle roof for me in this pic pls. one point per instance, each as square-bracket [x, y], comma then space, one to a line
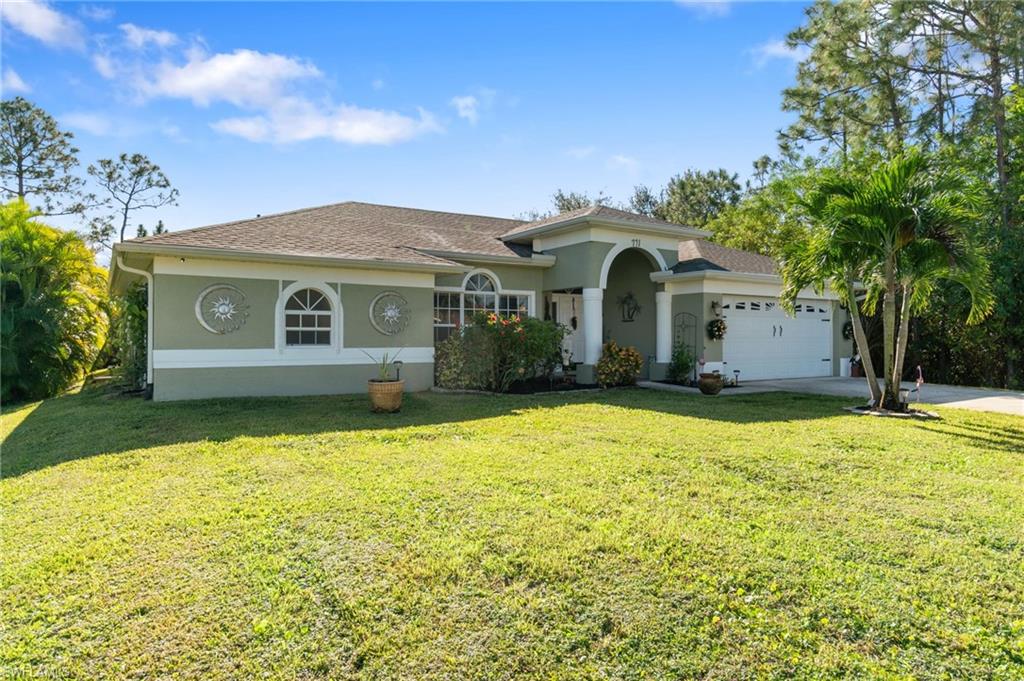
[354, 230]
[701, 255]
[594, 212]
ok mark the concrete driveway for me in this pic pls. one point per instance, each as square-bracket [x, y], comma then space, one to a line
[978, 399]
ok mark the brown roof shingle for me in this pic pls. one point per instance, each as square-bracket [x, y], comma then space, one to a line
[701, 255]
[594, 212]
[354, 230]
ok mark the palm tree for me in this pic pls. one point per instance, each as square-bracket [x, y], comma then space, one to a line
[893, 234]
[53, 320]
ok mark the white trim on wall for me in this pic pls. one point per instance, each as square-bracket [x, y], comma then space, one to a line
[265, 357]
[625, 246]
[204, 267]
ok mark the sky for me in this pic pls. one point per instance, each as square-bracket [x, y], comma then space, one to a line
[255, 108]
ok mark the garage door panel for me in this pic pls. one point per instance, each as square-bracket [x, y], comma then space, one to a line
[763, 342]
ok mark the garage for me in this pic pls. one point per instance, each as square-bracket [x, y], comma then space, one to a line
[762, 341]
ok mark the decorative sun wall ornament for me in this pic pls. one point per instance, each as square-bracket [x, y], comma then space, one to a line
[221, 308]
[389, 313]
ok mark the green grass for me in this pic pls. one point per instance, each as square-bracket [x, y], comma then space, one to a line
[623, 534]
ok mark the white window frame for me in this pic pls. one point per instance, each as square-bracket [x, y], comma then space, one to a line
[337, 320]
[499, 291]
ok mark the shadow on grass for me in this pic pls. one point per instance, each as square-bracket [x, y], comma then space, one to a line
[97, 422]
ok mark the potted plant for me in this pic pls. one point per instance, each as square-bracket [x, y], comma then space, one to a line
[385, 392]
[710, 384]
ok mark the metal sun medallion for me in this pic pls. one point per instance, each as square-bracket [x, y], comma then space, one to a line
[389, 313]
[221, 308]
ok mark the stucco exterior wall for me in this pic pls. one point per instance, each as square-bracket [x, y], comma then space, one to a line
[577, 266]
[201, 383]
[840, 346]
[176, 326]
[631, 273]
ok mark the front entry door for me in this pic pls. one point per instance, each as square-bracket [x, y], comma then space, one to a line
[569, 313]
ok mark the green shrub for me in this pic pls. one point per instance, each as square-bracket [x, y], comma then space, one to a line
[681, 365]
[53, 299]
[128, 335]
[618, 365]
[492, 352]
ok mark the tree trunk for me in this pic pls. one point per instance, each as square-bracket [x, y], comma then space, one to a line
[904, 335]
[862, 345]
[889, 333]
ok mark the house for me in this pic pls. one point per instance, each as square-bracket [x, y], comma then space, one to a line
[305, 302]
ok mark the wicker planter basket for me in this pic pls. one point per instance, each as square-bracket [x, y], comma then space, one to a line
[385, 396]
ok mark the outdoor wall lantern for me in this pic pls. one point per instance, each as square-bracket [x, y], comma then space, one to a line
[716, 307]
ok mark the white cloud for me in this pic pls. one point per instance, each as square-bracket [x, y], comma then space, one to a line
[12, 82]
[778, 49]
[243, 78]
[271, 89]
[472, 105]
[138, 37]
[93, 123]
[295, 119]
[468, 107]
[581, 152]
[45, 24]
[707, 8]
[96, 13]
[621, 162]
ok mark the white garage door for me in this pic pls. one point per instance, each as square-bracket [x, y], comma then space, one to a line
[762, 341]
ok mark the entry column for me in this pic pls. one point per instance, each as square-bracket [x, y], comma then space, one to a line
[663, 327]
[593, 324]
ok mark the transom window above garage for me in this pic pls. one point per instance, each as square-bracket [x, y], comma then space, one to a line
[307, 318]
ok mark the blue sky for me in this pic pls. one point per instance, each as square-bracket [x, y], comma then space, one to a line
[482, 108]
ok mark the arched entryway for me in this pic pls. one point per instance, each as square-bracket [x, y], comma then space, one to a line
[629, 305]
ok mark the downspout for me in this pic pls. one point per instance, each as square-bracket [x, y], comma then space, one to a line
[149, 319]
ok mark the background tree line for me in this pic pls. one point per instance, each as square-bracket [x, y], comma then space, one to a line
[880, 80]
[54, 310]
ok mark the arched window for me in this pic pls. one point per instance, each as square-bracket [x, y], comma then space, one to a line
[480, 292]
[480, 295]
[307, 318]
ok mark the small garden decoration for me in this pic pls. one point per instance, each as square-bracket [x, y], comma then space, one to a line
[618, 365]
[716, 329]
[710, 384]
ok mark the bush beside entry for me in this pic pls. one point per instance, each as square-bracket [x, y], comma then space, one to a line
[681, 365]
[493, 352]
[618, 365]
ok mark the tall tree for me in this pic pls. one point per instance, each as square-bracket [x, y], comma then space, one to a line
[697, 197]
[37, 159]
[645, 201]
[129, 184]
[898, 229]
[569, 201]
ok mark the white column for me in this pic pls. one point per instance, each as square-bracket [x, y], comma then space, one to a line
[663, 327]
[593, 324]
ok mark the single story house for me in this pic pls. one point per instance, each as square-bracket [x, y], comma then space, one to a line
[305, 302]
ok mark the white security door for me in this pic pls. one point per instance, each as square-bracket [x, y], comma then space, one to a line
[762, 341]
[569, 313]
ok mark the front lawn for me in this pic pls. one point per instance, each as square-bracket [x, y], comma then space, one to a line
[623, 534]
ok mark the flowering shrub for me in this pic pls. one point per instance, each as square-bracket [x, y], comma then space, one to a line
[618, 365]
[494, 351]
